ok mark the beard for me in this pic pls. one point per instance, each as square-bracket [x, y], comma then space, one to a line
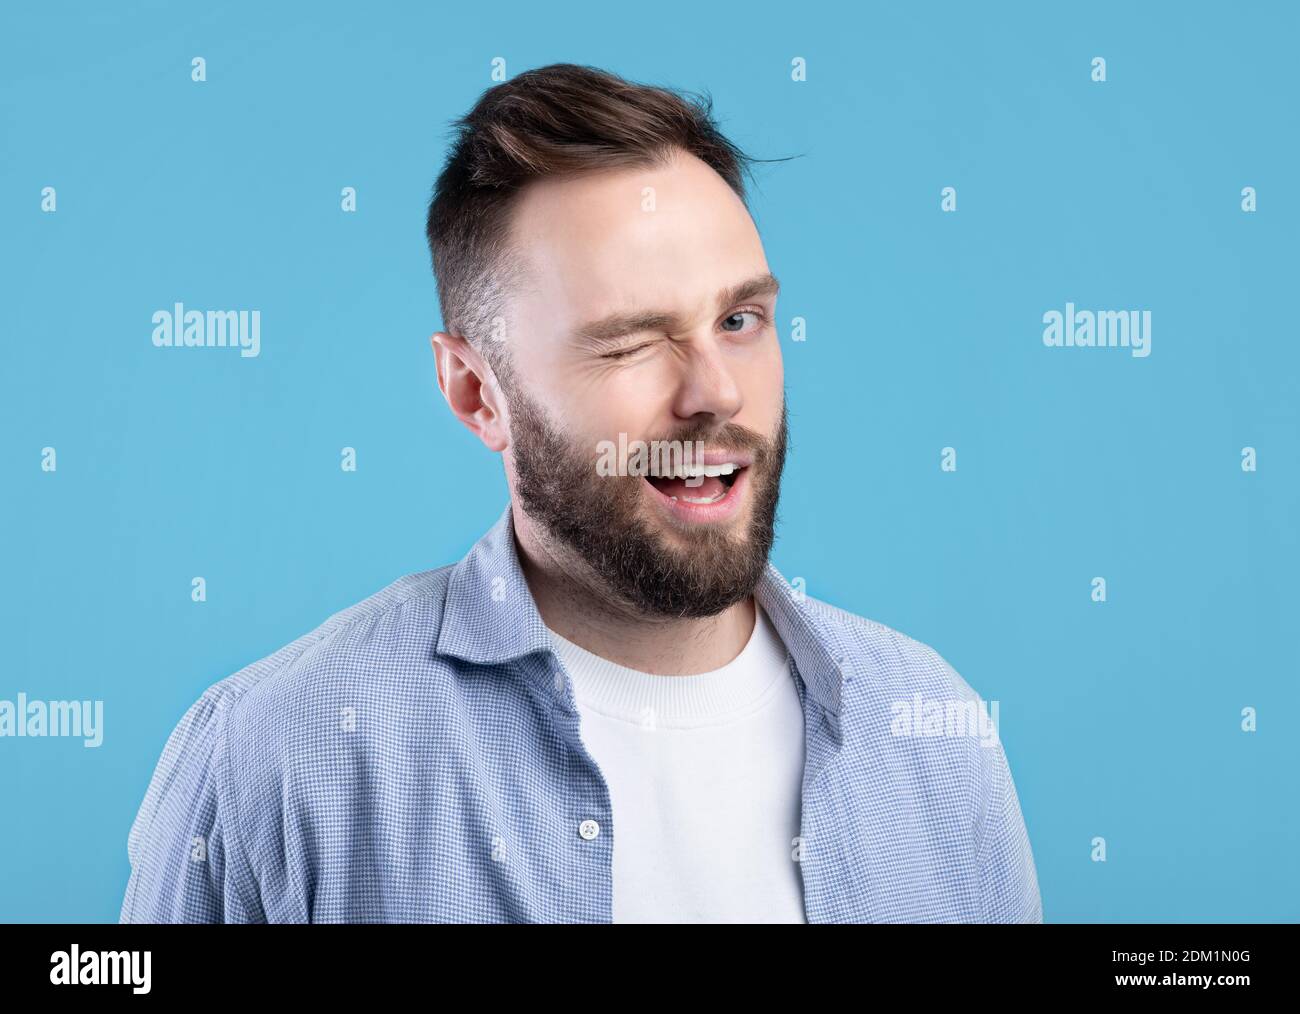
[698, 571]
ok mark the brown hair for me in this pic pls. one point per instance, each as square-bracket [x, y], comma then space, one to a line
[556, 120]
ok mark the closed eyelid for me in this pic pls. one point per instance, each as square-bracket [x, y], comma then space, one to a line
[622, 353]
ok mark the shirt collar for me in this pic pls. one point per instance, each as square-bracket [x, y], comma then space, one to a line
[490, 617]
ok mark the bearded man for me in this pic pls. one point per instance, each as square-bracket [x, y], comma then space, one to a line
[614, 708]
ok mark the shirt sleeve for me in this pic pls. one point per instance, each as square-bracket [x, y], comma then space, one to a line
[1008, 878]
[187, 865]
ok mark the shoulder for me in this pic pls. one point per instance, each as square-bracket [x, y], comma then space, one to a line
[907, 709]
[911, 713]
[251, 725]
[236, 743]
[401, 621]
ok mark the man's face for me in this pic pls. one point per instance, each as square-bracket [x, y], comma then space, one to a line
[647, 314]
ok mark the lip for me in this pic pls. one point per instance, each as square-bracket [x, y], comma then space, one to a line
[693, 513]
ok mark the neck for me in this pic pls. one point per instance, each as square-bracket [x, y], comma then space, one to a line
[573, 605]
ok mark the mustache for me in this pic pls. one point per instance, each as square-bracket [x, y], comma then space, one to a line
[731, 437]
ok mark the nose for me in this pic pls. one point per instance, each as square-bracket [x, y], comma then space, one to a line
[707, 387]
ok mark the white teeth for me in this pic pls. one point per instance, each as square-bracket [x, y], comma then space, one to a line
[703, 499]
[694, 471]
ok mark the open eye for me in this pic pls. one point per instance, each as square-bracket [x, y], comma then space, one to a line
[734, 322]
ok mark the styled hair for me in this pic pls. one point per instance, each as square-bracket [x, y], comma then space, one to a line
[558, 120]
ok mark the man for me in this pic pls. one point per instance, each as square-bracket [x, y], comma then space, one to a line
[613, 708]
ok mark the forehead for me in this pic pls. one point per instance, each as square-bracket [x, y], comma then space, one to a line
[665, 237]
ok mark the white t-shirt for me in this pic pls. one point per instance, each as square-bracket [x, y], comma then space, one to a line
[705, 777]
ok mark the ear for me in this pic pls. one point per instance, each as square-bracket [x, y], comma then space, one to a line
[471, 389]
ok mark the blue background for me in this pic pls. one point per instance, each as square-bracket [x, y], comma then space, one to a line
[1121, 719]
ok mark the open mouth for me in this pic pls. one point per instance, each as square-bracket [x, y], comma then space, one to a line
[705, 485]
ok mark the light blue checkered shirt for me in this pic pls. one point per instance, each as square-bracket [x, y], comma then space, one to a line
[417, 758]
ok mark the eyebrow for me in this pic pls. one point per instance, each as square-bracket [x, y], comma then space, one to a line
[602, 332]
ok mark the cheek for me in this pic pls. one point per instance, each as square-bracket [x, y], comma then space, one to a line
[764, 377]
[778, 361]
[624, 404]
[765, 392]
[772, 361]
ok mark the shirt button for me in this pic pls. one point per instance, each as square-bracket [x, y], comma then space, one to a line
[588, 829]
